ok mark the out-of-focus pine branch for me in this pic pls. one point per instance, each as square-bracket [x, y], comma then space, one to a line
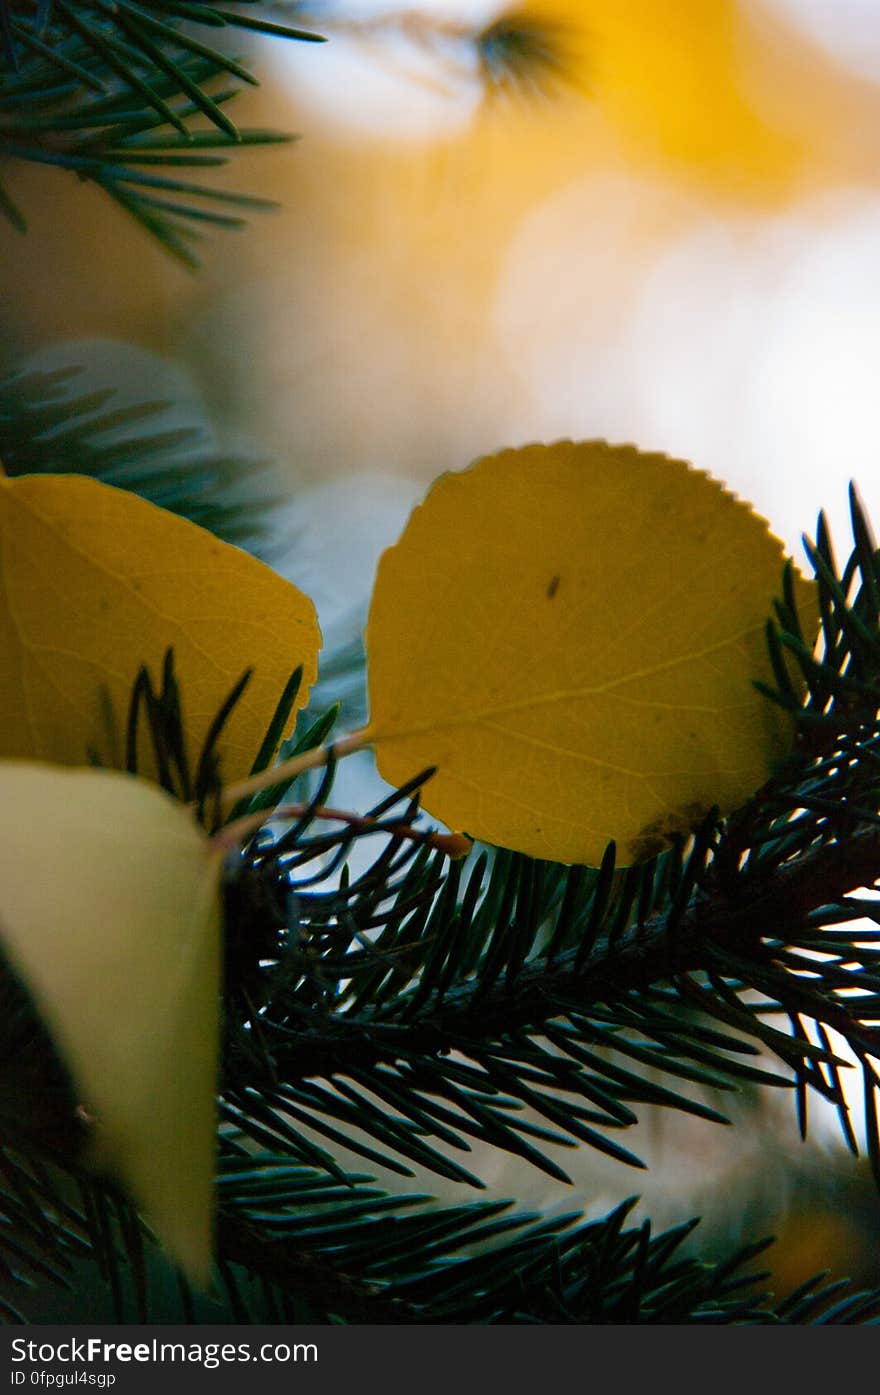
[516, 54]
[133, 98]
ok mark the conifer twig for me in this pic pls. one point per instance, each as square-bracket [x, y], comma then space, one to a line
[232, 835]
[287, 771]
[642, 956]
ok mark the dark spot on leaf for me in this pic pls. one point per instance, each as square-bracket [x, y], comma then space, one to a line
[656, 836]
[553, 587]
[646, 845]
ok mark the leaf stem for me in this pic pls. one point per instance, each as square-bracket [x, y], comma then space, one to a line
[232, 835]
[288, 770]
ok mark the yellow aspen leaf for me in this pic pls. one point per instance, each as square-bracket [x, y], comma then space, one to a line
[570, 634]
[110, 911]
[94, 582]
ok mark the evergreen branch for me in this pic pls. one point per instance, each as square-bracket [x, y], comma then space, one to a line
[58, 21]
[47, 427]
[517, 54]
[423, 1004]
[522, 55]
[85, 83]
[535, 975]
[544, 981]
[350, 1252]
[583, 1005]
[288, 1269]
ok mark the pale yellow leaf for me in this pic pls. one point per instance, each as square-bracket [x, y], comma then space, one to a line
[110, 910]
[94, 582]
[570, 634]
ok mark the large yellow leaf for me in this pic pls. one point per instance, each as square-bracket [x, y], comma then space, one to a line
[110, 910]
[94, 582]
[570, 634]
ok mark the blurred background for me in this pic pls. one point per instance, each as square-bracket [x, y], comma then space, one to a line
[656, 223]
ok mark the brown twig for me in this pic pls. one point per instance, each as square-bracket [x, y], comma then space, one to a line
[233, 835]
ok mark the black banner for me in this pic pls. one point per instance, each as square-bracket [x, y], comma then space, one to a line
[128, 1360]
